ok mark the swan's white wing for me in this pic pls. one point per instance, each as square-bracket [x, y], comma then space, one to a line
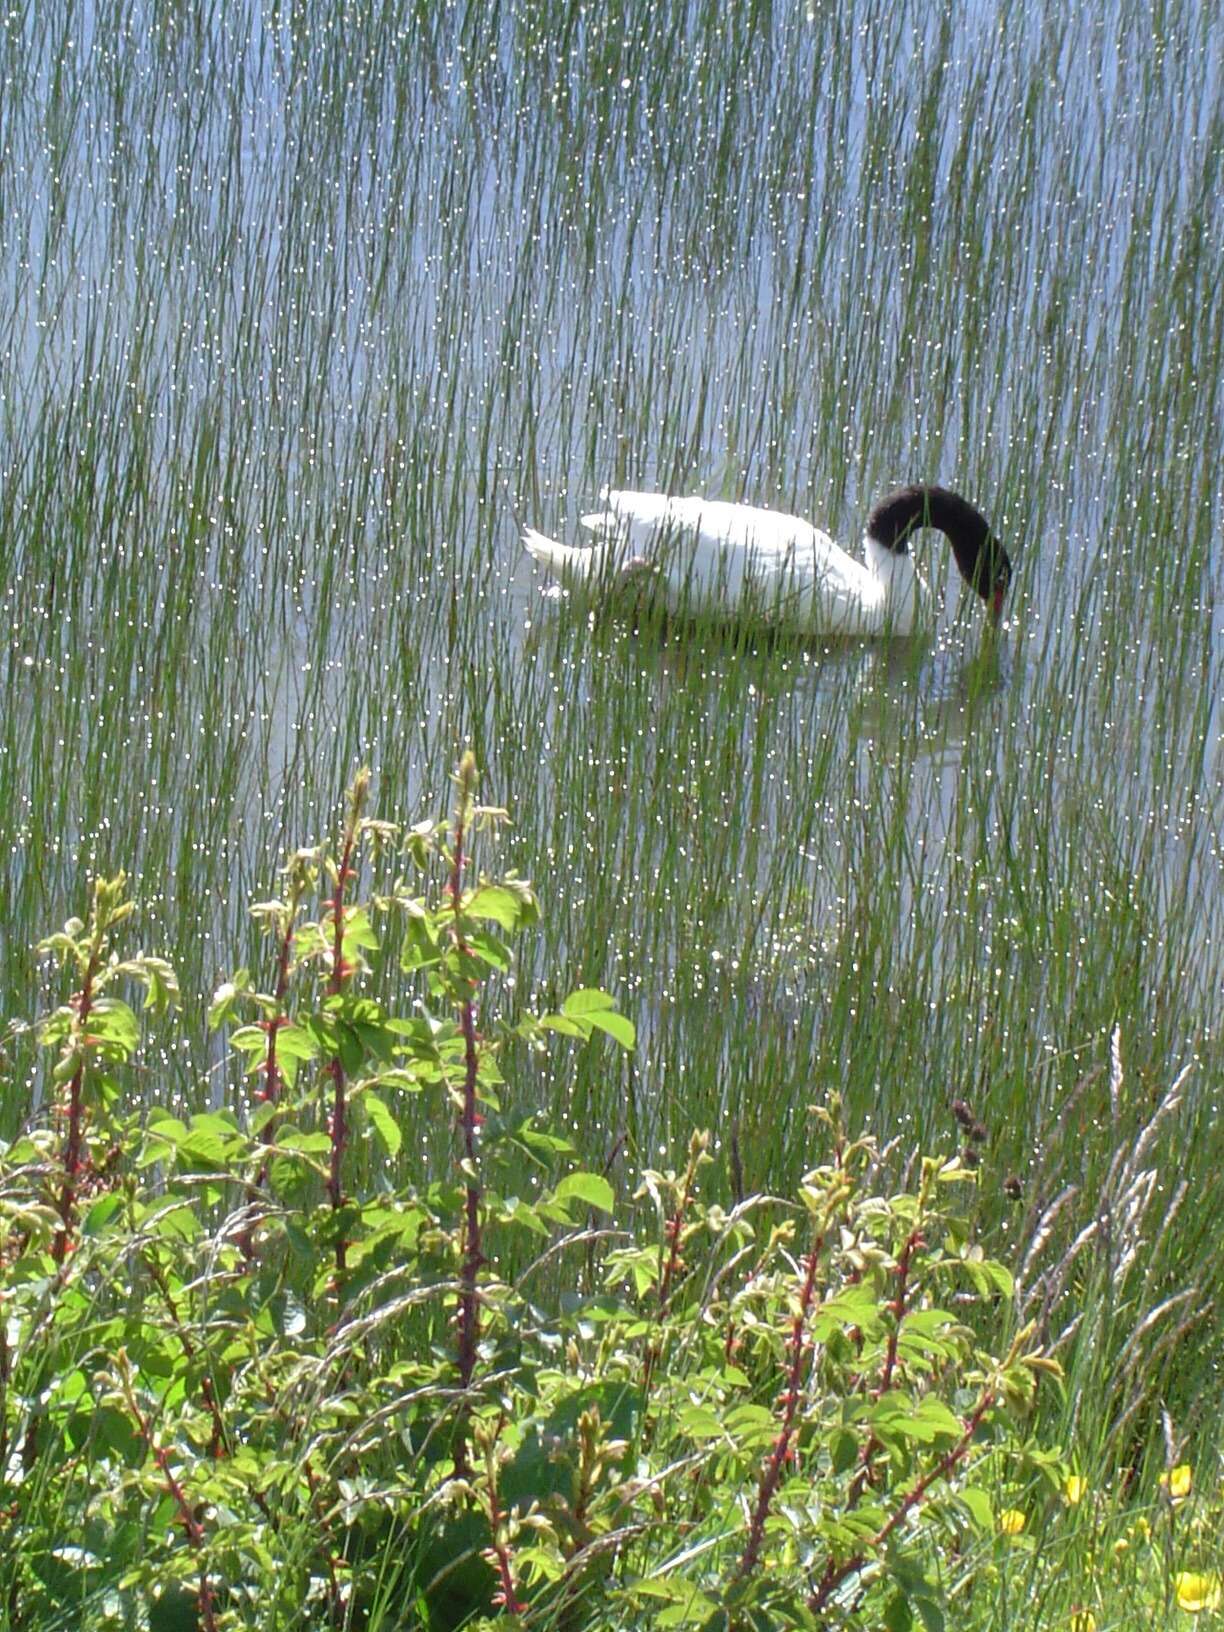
[718, 557]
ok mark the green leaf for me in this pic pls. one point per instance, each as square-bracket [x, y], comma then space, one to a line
[489, 949]
[161, 984]
[400, 1079]
[683, 1604]
[112, 1432]
[384, 1124]
[164, 1126]
[660, 1587]
[641, 1264]
[100, 1213]
[219, 1122]
[979, 1508]
[748, 1423]
[695, 1610]
[897, 1420]
[932, 1614]
[587, 1000]
[546, 1144]
[296, 1042]
[502, 904]
[935, 1420]
[898, 1616]
[700, 1422]
[999, 1276]
[358, 930]
[204, 1150]
[856, 1306]
[111, 1020]
[252, 1041]
[178, 1223]
[586, 1009]
[308, 1143]
[843, 1449]
[588, 1188]
[617, 1027]
[213, 1140]
[514, 1210]
[226, 996]
[567, 1028]
[420, 949]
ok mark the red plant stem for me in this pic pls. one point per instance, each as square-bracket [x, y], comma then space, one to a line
[335, 984]
[730, 1342]
[508, 1596]
[270, 1089]
[897, 1305]
[672, 1232]
[66, 1205]
[217, 1443]
[771, 1473]
[835, 1573]
[271, 1071]
[5, 1372]
[913, 1241]
[473, 1258]
[191, 1525]
[273, 1081]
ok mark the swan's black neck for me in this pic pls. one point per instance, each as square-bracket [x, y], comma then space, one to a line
[980, 556]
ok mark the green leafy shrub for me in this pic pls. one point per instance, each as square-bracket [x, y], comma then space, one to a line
[251, 1377]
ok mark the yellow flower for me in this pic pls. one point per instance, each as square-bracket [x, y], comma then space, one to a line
[1082, 1620]
[1143, 1528]
[1195, 1591]
[1075, 1489]
[1177, 1482]
[1011, 1521]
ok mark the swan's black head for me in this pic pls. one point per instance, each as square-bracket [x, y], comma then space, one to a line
[982, 560]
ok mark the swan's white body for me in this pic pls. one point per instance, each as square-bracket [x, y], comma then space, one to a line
[705, 556]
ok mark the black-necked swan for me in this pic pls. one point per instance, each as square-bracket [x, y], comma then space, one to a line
[705, 556]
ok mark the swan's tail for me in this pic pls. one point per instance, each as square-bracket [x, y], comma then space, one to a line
[562, 560]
